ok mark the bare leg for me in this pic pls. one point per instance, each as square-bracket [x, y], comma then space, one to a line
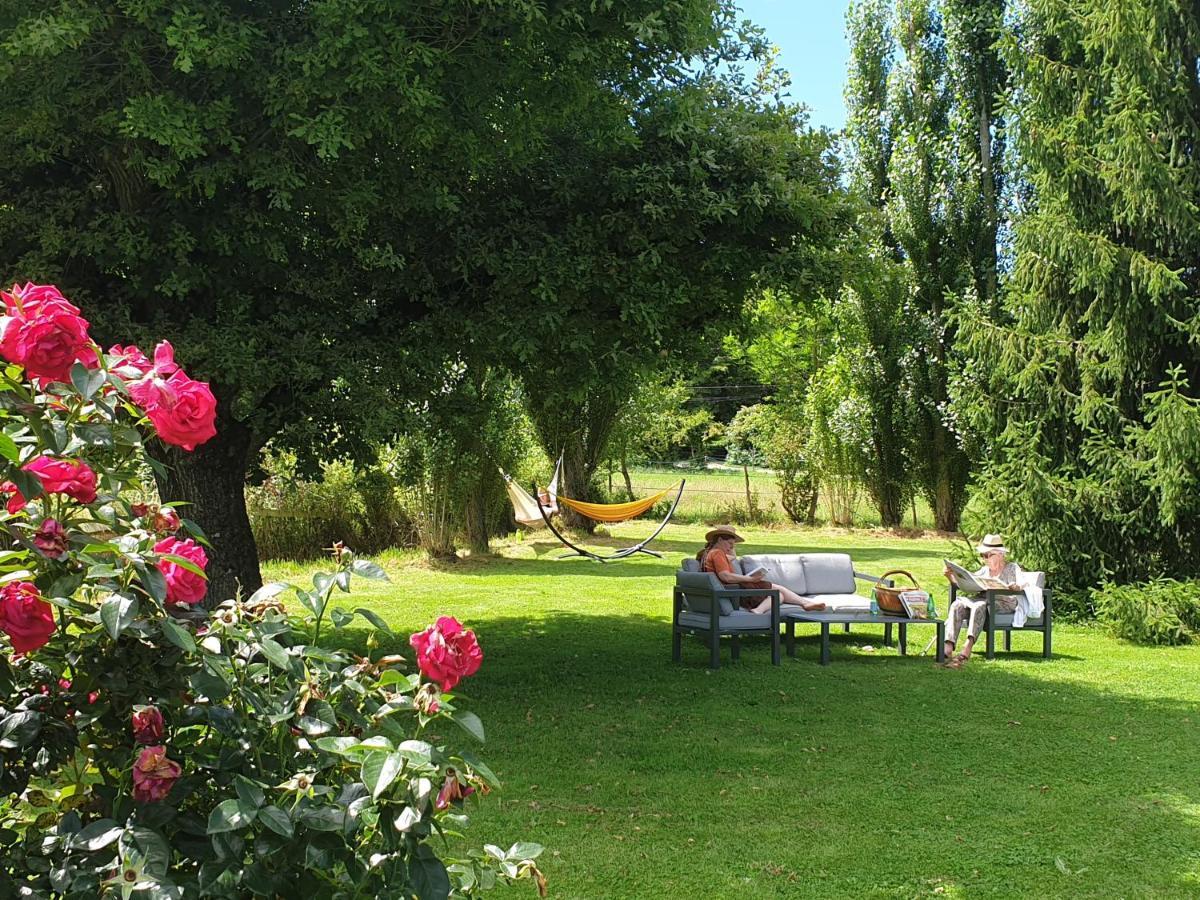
[787, 595]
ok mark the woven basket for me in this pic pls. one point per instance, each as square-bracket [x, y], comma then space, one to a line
[888, 598]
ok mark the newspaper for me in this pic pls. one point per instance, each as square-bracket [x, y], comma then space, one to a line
[972, 583]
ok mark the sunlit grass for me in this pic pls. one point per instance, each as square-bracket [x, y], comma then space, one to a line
[876, 776]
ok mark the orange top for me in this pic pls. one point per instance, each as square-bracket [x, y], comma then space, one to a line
[717, 562]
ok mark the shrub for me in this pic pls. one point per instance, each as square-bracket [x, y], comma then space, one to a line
[150, 746]
[1163, 611]
[295, 518]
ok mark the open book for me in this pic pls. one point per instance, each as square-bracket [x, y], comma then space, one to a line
[757, 573]
[972, 583]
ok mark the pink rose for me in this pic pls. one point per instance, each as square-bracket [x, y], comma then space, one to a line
[183, 586]
[25, 617]
[154, 775]
[147, 724]
[191, 419]
[72, 477]
[446, 653]
[129, 361]
[45, 333]
[51, 539]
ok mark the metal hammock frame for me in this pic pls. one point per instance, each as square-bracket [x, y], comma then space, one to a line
[623, 553]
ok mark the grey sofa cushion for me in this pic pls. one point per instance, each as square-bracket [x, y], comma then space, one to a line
[782, 568]
[736, 621]
[701, 585]
[690, 565]
[1005, 620]
[828, 573]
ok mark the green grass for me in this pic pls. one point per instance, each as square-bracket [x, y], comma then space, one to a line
[720, 494]
[877, 776]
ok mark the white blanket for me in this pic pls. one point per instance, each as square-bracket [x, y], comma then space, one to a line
[1030, 604]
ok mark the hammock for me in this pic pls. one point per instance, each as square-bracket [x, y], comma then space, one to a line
[528, 511]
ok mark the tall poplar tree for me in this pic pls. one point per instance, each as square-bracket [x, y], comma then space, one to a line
[1092, 372]
[922, 213]
[876, 280]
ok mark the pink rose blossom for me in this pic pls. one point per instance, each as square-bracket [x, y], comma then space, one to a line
[72, 477]
[446, 653]
[182, 411]
[147, 724]
[154, 775]
[25, 617]
[183, 586]
[45, 333]
[51, 539]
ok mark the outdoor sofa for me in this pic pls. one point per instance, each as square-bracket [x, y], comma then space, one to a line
[705, 607]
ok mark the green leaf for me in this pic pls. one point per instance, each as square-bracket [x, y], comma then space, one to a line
[8, 449]
[194, 530]
[276, 655]
[98, 835]
[249, 793]
[322, 581]
[153, 581]
[18, 729]
[30, 486]
[277, 820]
[373, 617]
[523, 850]
[185, 564]
[65, 585]
[228, 816]
[470, 723]
[340, 618]
[342, 580]
[117, 613]
[379, 770]
[178, 635]
[367, 569]
[267, 591]
[87, 381]
[428, 878]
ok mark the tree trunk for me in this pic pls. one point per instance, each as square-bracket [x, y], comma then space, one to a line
[625, 474]
[212, 481]
[891, 506]
[576, 478]
[749, 496]
[475, 520]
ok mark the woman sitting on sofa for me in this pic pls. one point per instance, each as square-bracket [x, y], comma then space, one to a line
[718, 557]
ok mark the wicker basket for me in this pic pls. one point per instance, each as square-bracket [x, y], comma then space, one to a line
[888, 598]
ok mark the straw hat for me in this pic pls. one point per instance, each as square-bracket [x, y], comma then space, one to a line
[722, 531]
[991, 543]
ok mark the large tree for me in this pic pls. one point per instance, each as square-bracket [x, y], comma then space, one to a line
[875, 278]
[922, 213]
[282, 187]
[1090, 375]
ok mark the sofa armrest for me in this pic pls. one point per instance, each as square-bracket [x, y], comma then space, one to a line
[886, 582]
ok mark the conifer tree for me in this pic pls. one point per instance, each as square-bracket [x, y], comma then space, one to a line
[1092, 367]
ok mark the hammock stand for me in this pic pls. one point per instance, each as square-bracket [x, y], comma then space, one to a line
[639, 547]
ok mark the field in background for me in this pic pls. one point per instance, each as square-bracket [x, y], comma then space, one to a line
[713, 494]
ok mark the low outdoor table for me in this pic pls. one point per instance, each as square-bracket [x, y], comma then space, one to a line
[857, 617]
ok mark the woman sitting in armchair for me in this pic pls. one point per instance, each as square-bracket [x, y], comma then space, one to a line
[718, 557]
[972, 611]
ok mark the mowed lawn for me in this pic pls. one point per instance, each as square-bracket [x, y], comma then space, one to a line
[877, 776]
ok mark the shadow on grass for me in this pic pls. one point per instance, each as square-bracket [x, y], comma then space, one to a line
[1031, 762]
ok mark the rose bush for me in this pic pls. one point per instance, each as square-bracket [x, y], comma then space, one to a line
[152, 747]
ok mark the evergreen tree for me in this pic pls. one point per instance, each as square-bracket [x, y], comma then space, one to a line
[1092, 368]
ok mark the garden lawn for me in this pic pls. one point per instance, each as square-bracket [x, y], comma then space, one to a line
[877, 776]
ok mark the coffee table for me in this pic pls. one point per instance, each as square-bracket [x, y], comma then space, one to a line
[857, 617]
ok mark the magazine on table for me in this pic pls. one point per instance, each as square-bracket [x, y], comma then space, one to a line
[972, 583]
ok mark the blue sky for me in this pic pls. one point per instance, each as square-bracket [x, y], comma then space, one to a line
[811, 36]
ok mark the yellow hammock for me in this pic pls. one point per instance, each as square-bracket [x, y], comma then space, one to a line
[614, 512]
